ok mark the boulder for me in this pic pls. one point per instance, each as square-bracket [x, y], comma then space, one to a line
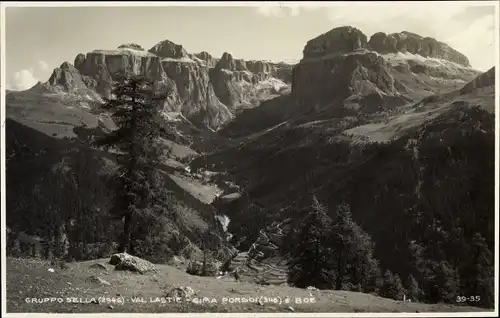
[124, 261]
[98, 266]
[211, 268]
[98, 280]
[181, 292]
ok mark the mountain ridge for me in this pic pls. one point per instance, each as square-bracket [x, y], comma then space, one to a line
[405, 140]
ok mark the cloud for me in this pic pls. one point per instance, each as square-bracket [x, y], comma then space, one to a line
[43, 66]
[22, 80]
[288, 10]
[28, 77]
[278, 11]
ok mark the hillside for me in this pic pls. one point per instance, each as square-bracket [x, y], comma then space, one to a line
[392, 168]
[398, 128]
[144, 293]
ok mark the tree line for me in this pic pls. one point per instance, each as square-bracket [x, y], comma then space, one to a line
[333, 252]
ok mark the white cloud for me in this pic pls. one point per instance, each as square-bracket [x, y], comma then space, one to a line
[22, 80]
[275, 11]
[278, 10]
[26, 78]
[43, 66]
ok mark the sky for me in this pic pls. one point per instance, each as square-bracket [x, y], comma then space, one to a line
[39, 39]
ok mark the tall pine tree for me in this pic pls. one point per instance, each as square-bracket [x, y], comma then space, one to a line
[310, 264]
[354, 266]
[136, 111]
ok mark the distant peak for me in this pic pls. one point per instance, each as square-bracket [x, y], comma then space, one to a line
[167, 48]
[133, 46]
[226, 56]
[341, 40]
[66, 66]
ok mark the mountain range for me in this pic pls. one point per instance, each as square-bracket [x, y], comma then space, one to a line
[398, 126]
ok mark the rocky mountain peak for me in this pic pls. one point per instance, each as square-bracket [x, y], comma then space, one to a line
[408, 42]
[165, 49]
[259, 67]
[347, 39]
[240, 65]
[204, 88]
[67, 77]
[226, 62]
[79, 60]
[204, 55]
[350, 72]
[207, 58]
[340, 40]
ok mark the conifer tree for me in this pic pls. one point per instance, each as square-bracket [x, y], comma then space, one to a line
[412, 289]
[352, 250]
[136, 111]
[311, 264]
[392, 286]
[479, 272]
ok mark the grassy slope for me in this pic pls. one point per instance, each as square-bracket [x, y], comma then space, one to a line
[28, 278]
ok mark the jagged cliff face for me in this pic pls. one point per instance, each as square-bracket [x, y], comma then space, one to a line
[407, 42]
[342, 68]
[206, 90]
[341, 77]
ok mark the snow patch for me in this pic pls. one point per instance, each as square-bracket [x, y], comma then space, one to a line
[183, 59]
[290, 61]
[435, 62]
[456, 80]
[172, 116]
[272, 82]
[198, 60]
[125, 50]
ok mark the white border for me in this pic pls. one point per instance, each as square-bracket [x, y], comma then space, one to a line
[3, 5]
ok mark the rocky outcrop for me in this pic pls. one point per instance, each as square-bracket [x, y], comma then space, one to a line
[196, 97]
[124, 261]
[232, 82]
[415, 44]
[321, 81]
[209, 60]
[168, 49]
[283, 71]
[67, 78]
[181, 292]
[206, 90]
[345, 40]
[341, 68]
[98, 280]
[337, 41]
[99, 68]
